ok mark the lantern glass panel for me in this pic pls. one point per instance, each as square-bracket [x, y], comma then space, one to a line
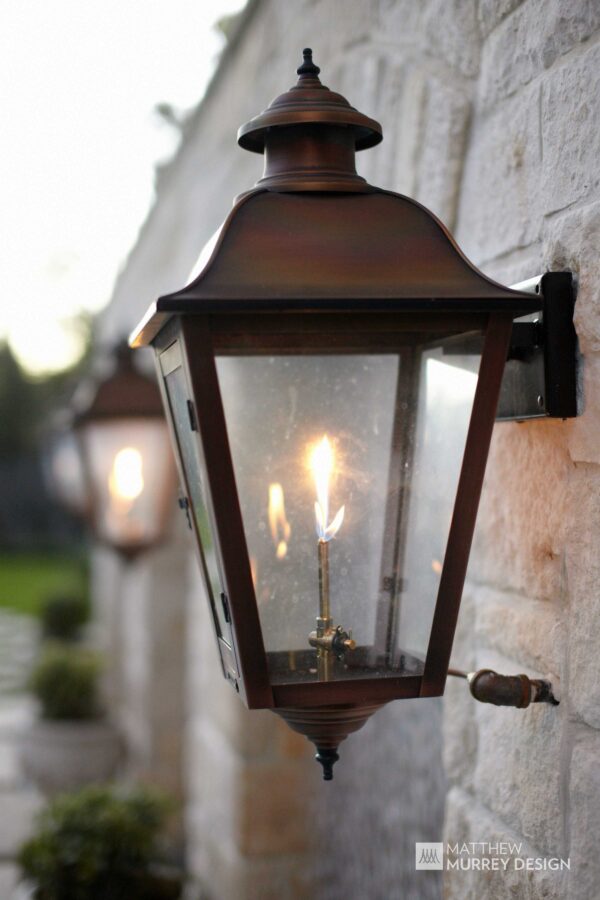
[447, 380]
[65, 473]
[130, 470]
[194, 467]
[360, 451]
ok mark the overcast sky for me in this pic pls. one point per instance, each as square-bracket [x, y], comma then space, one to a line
[80, 81]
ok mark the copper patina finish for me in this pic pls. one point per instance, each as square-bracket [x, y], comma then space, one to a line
[314, 257]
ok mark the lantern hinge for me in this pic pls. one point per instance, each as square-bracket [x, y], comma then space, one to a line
[192, 416]
[540, 377]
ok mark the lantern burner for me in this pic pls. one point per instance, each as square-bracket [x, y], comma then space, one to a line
[331, 642]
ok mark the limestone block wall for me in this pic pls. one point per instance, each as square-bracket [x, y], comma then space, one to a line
[490, 111]
[141, 612]
[529, 201]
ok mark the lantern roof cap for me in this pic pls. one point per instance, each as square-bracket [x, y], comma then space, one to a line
[309, 102]
[124, 393]
[372, 252]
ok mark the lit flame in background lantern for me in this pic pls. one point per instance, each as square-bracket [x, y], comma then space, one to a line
[279, 525]
[254, 571]
[322, 465]
[126, 479]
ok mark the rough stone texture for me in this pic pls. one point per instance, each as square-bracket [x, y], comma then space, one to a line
[141, 626]
[491, 12]
[446, 116]
[499, 206]
[519, 544]
[584, 813]
[385, 797]
[571, 141]
[516, 758]
[467, 820]
[504, 623]
[530, 41]
[571, 242]
[583, 563]
[490, 113]
[533, 575]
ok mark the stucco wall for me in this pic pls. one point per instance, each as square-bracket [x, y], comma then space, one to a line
[490, 111]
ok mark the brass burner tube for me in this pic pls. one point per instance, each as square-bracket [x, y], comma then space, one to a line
[324, 602]
[324, 620]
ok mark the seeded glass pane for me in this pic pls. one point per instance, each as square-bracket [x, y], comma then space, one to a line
[278, 411]
[390, 430]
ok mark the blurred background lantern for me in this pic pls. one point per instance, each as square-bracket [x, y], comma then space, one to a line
[124, 458]
[333, 347]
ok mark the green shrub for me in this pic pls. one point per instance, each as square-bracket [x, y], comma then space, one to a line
[98, 844]
[64, 615]
[65, 681]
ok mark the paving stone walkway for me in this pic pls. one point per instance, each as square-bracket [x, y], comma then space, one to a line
[19, 801]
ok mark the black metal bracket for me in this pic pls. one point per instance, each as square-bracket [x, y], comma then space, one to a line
[540, 378]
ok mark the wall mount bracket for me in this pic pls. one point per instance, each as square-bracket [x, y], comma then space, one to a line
[540, 378]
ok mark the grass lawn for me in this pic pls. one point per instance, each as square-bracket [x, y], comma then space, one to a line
[26, 580]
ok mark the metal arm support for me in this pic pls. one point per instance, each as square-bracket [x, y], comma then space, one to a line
[540, 378]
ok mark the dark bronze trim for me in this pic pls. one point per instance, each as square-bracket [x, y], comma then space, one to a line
[202, 375]
[355, 692]
[169, 358]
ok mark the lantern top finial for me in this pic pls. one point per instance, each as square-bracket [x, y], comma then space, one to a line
[308, 67]
[309, 102]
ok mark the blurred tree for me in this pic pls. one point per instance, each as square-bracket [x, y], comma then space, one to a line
[29, 517]
[18, 408]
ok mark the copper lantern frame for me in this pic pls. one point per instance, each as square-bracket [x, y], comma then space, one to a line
[315, 258]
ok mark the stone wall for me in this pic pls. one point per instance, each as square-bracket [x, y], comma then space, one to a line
[529, 201]
[490, 111]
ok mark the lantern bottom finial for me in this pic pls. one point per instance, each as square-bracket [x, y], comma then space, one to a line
[328, 757]
[327, 727]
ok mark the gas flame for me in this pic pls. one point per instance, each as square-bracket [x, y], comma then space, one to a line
[126, 480]
[279, 525]
[322, 464]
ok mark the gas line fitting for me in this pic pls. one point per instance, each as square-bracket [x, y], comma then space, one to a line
[519, 691]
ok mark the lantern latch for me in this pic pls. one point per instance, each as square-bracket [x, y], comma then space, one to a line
[225, 604]
[192, 416]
